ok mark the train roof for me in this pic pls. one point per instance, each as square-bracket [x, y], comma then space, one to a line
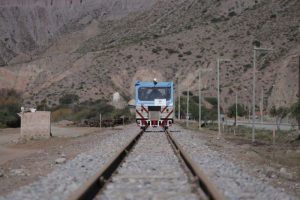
[151, 84]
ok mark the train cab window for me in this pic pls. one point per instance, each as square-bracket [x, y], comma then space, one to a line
[151, 93]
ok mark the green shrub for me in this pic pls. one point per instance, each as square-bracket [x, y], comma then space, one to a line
[241, 111]
[246, 67]
[88, 110]
[295, 110]
[212, 100]
[10, 104]
[157, 50]
[206, 114]
[68, 99]
[186, 93]
[256, 43]
[187, 53]
[171, 51]
[231, 14]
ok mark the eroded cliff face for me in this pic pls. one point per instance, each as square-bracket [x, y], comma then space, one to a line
[27, 27]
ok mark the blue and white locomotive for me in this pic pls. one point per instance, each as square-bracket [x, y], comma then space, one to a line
[154, 104]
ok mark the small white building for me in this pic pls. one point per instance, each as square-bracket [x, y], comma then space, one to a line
[35, 124]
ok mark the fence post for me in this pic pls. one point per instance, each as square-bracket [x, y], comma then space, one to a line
[100, 119]
[274, 134]
[273, 146]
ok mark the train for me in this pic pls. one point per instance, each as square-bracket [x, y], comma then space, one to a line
[154, 104]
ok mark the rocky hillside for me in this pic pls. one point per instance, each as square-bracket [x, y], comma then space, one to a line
[94, 48]
[30, 26]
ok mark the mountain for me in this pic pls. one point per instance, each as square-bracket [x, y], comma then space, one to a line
[94, 48]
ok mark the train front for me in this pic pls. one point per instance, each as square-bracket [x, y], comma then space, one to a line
[154, 104]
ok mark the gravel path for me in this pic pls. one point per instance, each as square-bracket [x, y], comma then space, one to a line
[230, 178]
[151, 171]
[69, 176]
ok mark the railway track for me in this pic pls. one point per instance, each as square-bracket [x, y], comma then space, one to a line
[151, 165]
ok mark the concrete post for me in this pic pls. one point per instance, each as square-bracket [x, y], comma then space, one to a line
[187, 106]
[253, 96]
[236, 111]
[100, 120]
[218, 96]
[200, 120]
[179, 115]
[299, 93]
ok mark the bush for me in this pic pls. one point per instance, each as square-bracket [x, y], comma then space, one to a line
[10, 104]
[231, 14]
[68, 99]
[60, 114]
[187, 53]
[88, 110]
[279, 114]
[256, 43]
[206, 114]
[186, 93]
[157, 50]
[246, 67]
[212, 100]
[241, 111]
[216, 20]
[171, 51]
[295, 110]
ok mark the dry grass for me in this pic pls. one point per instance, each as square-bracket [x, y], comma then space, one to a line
[60, 114]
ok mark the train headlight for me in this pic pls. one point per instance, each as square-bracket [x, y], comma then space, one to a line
[155, 81]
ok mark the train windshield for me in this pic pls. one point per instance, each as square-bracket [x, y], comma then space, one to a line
[151, 93]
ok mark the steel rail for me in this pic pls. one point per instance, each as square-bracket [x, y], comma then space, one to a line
[202, 180]
[94, 184]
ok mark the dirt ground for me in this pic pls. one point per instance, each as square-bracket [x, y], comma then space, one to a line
[277, 164]
[23, 162]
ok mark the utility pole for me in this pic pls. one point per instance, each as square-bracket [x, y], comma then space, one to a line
[253, 89]
[299, 93]
[178, 102]
[236, 111]
[218, 92]
[187, 106]
[100, 120]
[200, 120]
[262, 106]
[218, 86]
[253, 96]
[174, 98]
[249, 107]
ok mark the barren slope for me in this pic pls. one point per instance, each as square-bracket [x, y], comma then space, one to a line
[170, 40]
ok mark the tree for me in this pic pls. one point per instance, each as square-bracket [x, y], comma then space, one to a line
[10, 104]
[279, 113]
[206, 114]
[295, 111]
[232, 111]
[68, 99]
[43, 105]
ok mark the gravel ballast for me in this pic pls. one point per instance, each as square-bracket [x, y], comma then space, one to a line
[151, 171]
[68, 177]
[230, 178]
